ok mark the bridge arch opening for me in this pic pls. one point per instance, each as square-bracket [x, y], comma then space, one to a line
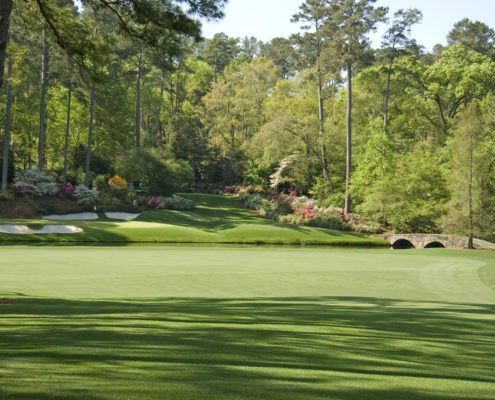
[435, 245]
[402, 244]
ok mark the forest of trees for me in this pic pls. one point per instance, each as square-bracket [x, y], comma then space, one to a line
[398, 134]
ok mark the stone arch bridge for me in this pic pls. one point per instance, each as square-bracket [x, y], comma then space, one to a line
[422, 241]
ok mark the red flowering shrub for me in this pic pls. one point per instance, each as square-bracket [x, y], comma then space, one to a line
[229, 189]
[69, 189]
[308, 211]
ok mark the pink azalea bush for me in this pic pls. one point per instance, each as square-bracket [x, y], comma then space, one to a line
[302, 210]
[69, 189]
[166, 203]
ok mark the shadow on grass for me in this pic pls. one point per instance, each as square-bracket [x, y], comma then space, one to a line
[212, 213]
[93, 232]
[349, 348]
[216, 213]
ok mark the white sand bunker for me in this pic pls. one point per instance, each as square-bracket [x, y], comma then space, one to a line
[121, 215]
[25, 230]
[73, 217]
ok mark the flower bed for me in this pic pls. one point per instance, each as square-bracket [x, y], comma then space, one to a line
[300, 210]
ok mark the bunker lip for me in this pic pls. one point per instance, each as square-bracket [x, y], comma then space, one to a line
[45, 229]
[73, 217]
[122, 215]
[88, 216]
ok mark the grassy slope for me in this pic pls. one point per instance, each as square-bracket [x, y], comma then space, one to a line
[215, 220]
[256, 323]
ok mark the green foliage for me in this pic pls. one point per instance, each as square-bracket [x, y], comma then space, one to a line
[256, 174]
[411, 197]
[107, 201]
[100, 165]
[294, 219]
[473, 35]
[457, 78]
[471, 173]
[234, 108]
[220, 51]
[374, 162]
[100, 182]
[6, 195]
[159, 172]
[283, 55]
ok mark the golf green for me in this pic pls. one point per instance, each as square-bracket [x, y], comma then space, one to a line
[216, 219]
[108, 323]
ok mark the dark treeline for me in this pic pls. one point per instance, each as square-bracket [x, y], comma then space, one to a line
[398, 134]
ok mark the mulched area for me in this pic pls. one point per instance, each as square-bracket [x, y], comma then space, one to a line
[22, 206]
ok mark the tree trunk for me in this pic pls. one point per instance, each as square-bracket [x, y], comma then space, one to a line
[6, 141]
[5, 10]
[138, 100]
[44, 89]
[387, 97]
[171, 95]
[67, 131]
[347, 205]
[177, 91]
[159, 110]
[321, 120]
[470, 195]
[90, 135]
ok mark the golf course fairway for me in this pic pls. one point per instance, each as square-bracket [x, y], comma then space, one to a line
[183, 323]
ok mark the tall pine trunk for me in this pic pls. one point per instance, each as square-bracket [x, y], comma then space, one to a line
[387, 96]
[5, 10]
[470, 243]
[321, 120]
[177, 90]
[6, 140]
[44, 89]
[138, 100]
[347, 205]
[67, 131]
[87, 177]
[159, 110]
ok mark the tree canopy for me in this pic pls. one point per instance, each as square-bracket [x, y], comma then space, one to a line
[321, 113]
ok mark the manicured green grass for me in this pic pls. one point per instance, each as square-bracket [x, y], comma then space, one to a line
[146, 322]
[216, 219]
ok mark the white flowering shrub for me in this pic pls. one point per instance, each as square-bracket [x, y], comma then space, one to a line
[177, 203]
[279, 176]
[36, 183]
[85, 195]
[254, 201]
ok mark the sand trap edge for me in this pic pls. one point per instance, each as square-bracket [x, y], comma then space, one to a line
[45, 229]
